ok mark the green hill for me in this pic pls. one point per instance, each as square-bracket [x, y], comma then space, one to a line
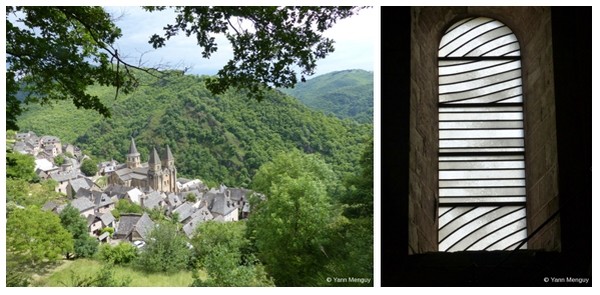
[220, 139]
[346, 94]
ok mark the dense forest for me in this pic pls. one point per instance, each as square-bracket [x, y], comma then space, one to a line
[219, 139]
[346, 94]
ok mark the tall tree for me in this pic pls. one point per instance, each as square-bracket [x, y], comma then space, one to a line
[221, 250]
[166, 250]
[84, 244]
[290, 226]
[57, 52]
[36, 235]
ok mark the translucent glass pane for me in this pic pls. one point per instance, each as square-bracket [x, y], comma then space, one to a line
[506, 133]
[481, 165]
[481, 116]
[475, 37]
[473, 200]
[482, 183]
[504, 220]
[481, 91]
[481, 125]
[453, 67]
[482, 174]
[476, 82]
[452, 49]
[483, 143]
[468, 75]
[482, 150]
[468, 192]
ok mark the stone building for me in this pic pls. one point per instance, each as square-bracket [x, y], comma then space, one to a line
[551, 187]
[158, 174]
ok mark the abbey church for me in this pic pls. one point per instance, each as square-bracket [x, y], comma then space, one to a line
[158, 174]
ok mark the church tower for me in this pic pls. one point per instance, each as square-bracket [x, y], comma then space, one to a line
[155, 174]
[133, 157]
[169, 171]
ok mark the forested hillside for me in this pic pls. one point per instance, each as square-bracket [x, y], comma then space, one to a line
[346, 94]
[220, 139]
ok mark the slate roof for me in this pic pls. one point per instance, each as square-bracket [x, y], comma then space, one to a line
[168, 155]
[144, 226]
[50, 139]
[117, 189]
[238, 194]
[173, 200]
[130, 222]
[185, 210]
[79, 183]
[62, 176]
[153, 200]
[101, 199]
[133, 149]
[220, 205]
[154, 159]
[82, 204]
[106, 218]
[190, 227]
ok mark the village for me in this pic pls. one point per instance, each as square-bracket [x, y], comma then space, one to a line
[153, 185]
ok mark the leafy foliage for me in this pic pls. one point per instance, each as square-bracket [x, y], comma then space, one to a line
[346, 94]
[220, 139]
[122, 253]
[105, 277]
[125, 206]
[84, 244]
[221, 249]
[36, 235]
[190, 198]
[59, 160]
[89, 167]
[290, 227]
[55, 53]
[166, 250]
[359, 196]
[281, 40]
[19, 166]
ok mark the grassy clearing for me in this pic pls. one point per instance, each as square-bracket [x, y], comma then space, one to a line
[87, 267]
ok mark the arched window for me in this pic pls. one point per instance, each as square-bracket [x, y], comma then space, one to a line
[481, 138]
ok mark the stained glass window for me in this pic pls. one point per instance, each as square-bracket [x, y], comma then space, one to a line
[481, 138]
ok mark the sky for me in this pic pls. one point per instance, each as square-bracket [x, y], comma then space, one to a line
[354, 37]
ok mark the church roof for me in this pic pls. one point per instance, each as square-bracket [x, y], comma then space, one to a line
[169, 155]
[154, 159]
[133, 149]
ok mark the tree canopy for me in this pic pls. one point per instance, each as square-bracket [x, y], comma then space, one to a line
[166, 250]
[55, 53]
[84, 244]
[36, 235]
[290, 226]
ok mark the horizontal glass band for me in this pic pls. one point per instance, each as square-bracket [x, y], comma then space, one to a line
[472, 200]
[481, 174]
[481, 192]
[482, 183]
[480, 125]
